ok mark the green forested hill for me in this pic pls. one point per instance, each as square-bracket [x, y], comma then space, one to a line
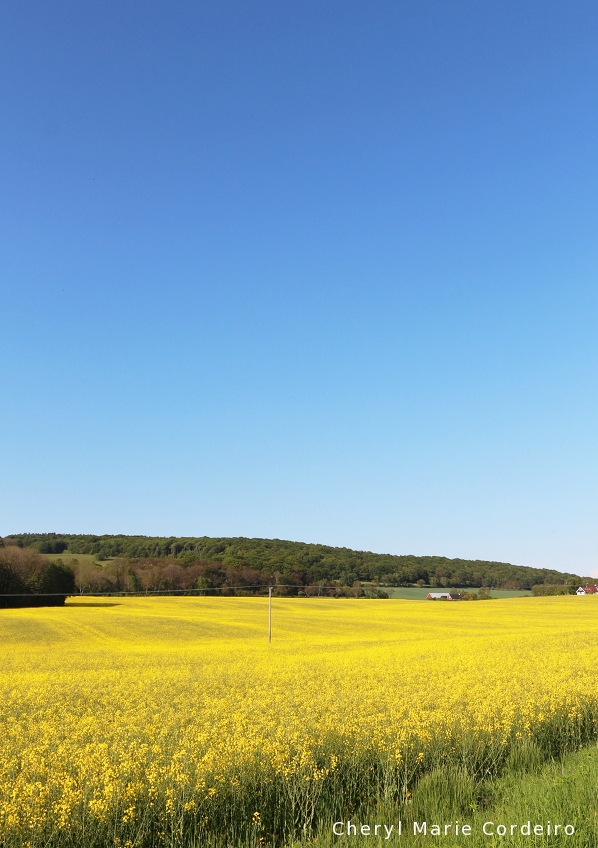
[301, 562]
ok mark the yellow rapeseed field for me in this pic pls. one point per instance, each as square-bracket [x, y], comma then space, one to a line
[141, 722]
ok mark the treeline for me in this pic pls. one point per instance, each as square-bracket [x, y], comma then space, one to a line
[201, 577]
[568, 588]
[27, 579]
[294, 562]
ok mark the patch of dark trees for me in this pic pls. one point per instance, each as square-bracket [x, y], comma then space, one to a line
[29, 580]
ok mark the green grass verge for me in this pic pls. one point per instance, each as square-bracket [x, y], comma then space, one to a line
[563, 792]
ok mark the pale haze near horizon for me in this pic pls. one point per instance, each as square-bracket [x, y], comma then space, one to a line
[321, 272]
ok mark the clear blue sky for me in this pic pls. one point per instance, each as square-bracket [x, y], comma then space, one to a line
[323, 271]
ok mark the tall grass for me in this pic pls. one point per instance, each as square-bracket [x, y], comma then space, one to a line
[530, 790]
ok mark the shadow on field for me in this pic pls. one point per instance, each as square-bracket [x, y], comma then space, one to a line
[84, 604]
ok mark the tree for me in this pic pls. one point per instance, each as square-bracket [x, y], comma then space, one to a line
[26, 579]
[52, 583]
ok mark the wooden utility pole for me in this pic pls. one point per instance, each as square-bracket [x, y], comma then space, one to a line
[269, 614]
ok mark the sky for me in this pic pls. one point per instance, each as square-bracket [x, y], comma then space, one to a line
[321, 271]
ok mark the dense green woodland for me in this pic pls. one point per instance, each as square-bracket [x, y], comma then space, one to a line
[27, 579]
[296, 562]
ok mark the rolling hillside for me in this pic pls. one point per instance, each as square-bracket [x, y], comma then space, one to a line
[297, 562]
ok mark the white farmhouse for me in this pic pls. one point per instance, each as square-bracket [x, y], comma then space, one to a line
[447, 596]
